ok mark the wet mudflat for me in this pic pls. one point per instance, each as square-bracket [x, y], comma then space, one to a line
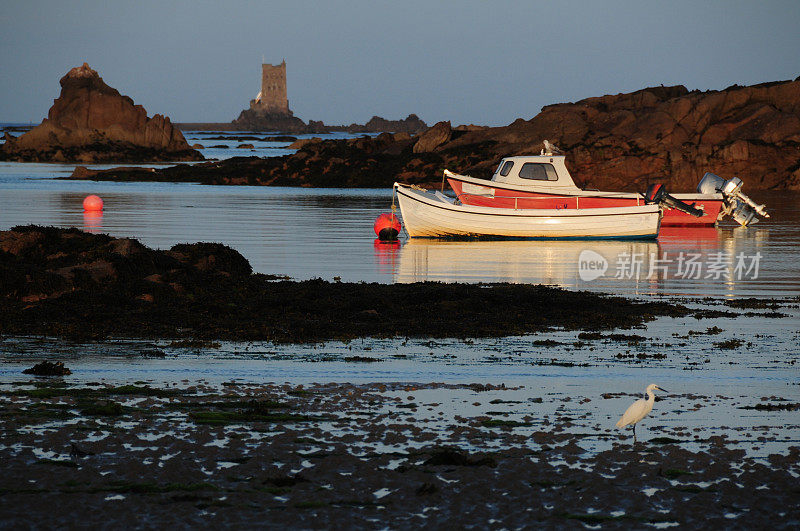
[368, 454]
[498, 432]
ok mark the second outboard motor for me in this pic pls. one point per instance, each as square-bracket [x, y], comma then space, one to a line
[740, 207]
[656, 193]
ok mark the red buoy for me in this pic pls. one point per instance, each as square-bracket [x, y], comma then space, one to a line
[92, 203]
[387, 227]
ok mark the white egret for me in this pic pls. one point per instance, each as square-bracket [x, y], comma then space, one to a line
[551, 148]
[639, 409]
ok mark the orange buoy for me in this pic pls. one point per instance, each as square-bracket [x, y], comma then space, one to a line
[387, 227]
[92, 203]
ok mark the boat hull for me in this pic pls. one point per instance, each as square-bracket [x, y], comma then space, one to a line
[478, 192]
[429, 216]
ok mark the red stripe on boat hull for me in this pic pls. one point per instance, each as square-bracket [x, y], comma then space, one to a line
[504, 198]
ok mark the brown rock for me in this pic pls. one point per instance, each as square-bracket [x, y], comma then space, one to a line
[662, 134]
[613, 142]
[301, 143]
[100, 270]
[433, 138]
[412, 124]
[92, 122]
[17, 243]
[470, 127]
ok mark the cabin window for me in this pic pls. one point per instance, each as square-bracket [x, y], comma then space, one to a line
[538, 172]
[505, 168]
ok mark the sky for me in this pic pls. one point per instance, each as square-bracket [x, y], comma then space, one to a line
[482, 62]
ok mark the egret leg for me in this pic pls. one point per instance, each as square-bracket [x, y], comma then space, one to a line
[634, 433]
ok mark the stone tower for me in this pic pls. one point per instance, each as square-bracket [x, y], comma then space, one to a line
[273, 96]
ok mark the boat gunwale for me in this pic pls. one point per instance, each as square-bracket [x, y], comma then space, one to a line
[639, 210]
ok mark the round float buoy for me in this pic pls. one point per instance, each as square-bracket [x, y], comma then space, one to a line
[92, 203]
[387, 227]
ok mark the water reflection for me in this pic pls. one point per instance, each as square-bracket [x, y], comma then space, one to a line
[327, 233]
[93, 221]
[387, 256]
[696, 237]
[539, 262]
[696, 262]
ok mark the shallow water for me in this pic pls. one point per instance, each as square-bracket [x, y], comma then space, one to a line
[327, 233]
[708, 383]
[307, 233]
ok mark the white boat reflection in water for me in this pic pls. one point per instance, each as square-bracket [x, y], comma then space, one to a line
[536, 262]
[694, 262]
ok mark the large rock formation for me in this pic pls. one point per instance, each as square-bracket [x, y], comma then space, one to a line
[621, 142]
[92, 122]
[664, 134]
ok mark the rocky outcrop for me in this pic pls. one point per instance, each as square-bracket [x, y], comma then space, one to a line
[621, 142]
[664, 134]
[92, 122]
[411, 124]
[434, 137]
[256, 120]
[365, 162]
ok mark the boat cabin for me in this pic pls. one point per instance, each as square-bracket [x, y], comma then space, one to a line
[535, 170]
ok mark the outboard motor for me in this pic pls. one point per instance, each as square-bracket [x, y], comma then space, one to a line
[656, 193]
[740, 207]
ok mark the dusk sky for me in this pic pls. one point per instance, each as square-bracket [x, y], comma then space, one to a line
[481, 62]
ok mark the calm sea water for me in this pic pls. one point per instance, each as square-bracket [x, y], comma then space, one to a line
[327, 233]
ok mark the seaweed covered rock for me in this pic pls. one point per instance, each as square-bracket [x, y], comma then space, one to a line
[48, 368]
[366, 162]
[68, 283]
[39, 263]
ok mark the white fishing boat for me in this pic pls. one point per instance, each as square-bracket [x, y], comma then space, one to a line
[434, 215]
[543, 181]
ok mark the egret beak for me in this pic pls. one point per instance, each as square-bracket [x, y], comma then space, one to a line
[662, 389]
